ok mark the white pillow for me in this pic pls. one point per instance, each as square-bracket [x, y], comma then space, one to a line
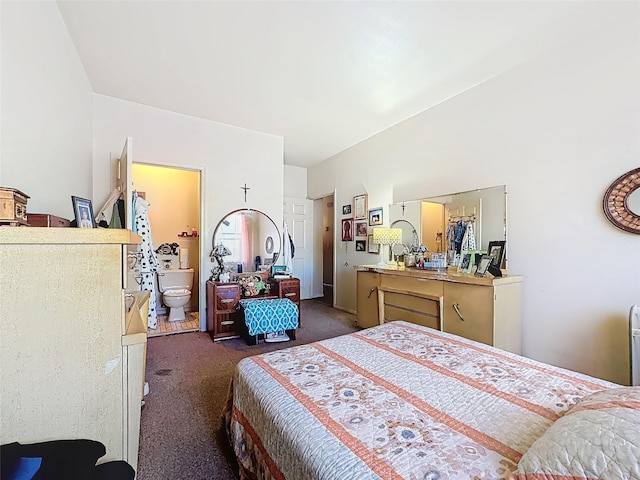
[597, 438]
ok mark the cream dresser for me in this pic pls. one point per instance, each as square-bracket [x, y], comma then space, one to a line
[71, 356]
[487, 310]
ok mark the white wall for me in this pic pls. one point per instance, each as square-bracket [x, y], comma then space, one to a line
[228, 156]
[46, 109]
[556, 130]
[295, 181]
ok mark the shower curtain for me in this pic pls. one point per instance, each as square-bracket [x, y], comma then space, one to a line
[148, 262]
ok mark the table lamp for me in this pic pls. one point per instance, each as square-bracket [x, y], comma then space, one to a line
[386, 236]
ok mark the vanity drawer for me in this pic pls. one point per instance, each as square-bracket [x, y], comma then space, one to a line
[421, 286]
[226, 297]
[290, 290]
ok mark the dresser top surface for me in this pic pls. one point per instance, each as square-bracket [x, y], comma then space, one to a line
[66, 235]
[450, 275]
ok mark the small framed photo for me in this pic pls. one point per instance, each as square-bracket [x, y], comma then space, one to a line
[360, 207]
[361, 245]
[361, 229]
[276, 269]
[347, 229]
[83, 211]
[483, 266]
[346, 209]
[375, 216]
[373, 247]
[465, 262]
[496, 252]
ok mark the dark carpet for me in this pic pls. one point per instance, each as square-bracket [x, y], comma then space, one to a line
[181, 435]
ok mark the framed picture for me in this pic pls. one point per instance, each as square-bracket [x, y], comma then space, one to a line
[347, 229]
[375, 216]
[373, 247]
[465, 262]
[496, 252]
[483, 266]
[83, 211]
[361, 229]
[361, 245]
[275, 269]
[360, 207]
[346, 209]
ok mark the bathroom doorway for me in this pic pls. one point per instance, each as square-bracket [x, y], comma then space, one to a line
[174, 195]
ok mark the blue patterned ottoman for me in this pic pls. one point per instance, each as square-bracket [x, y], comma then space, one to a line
[269, 316]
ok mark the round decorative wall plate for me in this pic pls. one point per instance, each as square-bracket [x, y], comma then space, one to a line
[616, 205]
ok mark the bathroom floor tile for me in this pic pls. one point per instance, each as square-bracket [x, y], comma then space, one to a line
[190, 324]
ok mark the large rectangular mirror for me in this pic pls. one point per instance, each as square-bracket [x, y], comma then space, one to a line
[427, 220]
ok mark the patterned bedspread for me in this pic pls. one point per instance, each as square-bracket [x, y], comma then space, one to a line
[394, 401]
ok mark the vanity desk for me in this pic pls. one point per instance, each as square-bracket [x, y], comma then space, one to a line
[484, 309]
[225, 321]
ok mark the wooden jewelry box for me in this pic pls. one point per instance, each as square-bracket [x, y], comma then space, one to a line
[13, 207]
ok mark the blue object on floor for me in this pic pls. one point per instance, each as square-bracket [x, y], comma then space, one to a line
[269, 315]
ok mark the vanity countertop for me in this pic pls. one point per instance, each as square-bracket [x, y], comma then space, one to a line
[48, 235]
[450, 275]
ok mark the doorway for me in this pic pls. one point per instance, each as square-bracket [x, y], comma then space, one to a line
[324, 214]
[174, 196]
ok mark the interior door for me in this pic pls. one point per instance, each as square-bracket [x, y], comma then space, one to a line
[298, 213]
[124, 180]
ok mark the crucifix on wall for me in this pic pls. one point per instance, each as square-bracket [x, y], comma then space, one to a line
[245, 188]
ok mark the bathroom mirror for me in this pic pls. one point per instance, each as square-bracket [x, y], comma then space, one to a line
[487, 207]
[245, 233]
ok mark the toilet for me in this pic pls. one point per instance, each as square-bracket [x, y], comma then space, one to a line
[175, 285]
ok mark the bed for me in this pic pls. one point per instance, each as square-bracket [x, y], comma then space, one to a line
[401, 401]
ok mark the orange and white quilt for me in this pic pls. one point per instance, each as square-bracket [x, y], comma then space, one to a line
[397, 401]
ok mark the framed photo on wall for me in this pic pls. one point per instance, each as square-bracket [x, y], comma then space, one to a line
[375, 216]
[361, 229]
[373, 247]
[346, 209]
[83, 211]
[360, 207]
[347, 229]
[361, 245]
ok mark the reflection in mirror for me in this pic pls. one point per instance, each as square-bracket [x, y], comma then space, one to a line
[252, 239]
[485, 208]
[409, 232]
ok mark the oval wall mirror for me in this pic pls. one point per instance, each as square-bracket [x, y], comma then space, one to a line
[621, 203]
[245, 234]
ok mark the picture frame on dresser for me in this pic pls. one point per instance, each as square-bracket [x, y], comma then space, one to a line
[483, 266]
[83, 211]
[496, 252]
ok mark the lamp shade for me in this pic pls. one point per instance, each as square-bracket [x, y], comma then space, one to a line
[387, 236]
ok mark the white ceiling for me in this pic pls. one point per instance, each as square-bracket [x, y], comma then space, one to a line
[323, 75]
